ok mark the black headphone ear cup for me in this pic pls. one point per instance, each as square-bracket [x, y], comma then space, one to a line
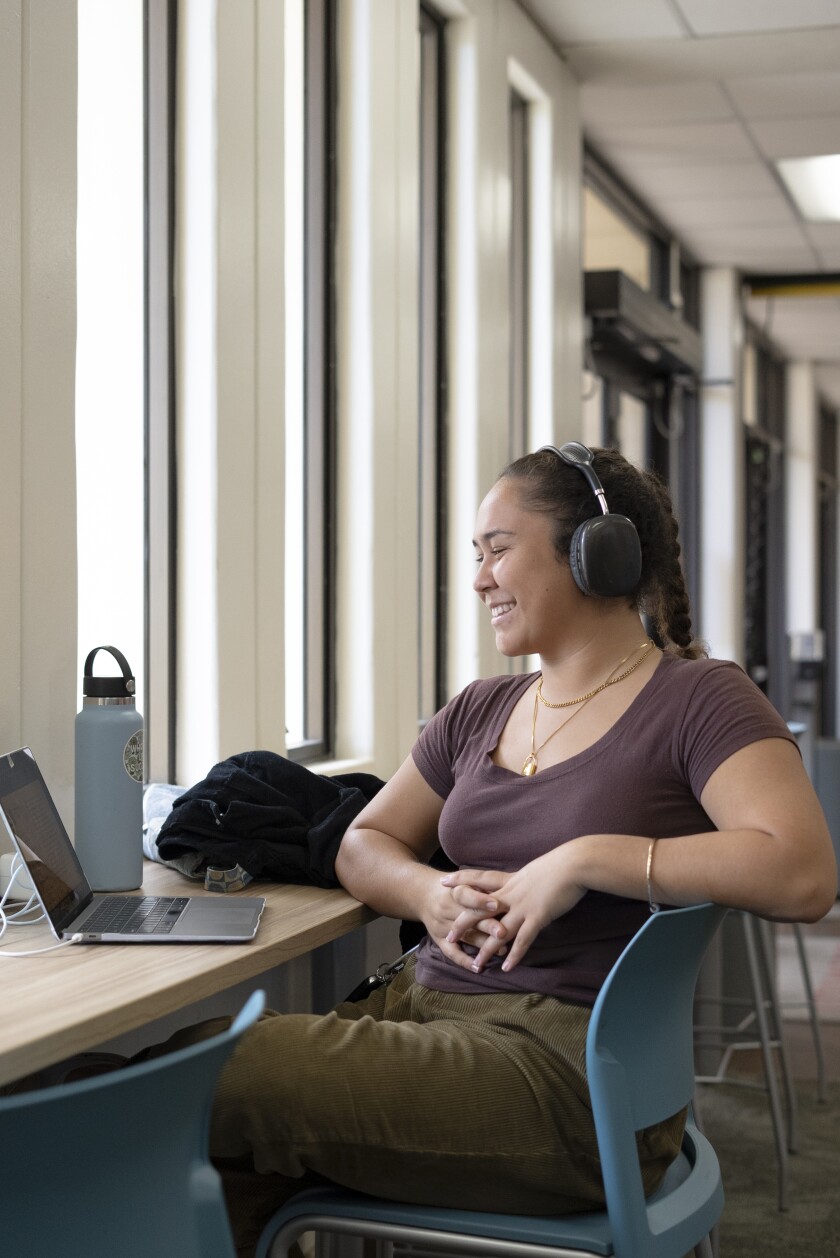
[606, 556]
[576, 558]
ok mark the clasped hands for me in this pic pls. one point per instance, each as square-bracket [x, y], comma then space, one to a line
[500, 913]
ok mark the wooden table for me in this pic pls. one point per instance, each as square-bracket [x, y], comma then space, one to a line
[76, 998]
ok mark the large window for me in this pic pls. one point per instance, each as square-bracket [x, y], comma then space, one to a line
[610, 243]
[310, 119]
[620, 233]
[431, 523]
[110, 394]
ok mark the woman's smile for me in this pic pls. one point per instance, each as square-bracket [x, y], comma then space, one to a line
[500, 610]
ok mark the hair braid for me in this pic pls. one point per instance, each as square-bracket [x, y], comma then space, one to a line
[670, 609]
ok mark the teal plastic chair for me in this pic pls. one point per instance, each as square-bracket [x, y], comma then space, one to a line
[640, 1065]
[116, 1166]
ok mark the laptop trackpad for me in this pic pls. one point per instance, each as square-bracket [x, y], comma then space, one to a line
[219, 917]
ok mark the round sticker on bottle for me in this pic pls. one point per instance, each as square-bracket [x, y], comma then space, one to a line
[133, 756]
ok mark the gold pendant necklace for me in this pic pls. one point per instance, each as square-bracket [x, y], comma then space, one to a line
[529, 768]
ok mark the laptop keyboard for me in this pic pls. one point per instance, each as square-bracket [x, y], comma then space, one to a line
[136, 915]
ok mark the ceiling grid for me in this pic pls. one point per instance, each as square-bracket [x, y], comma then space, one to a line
[691, 103]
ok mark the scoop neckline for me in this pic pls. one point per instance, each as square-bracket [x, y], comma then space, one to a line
[494, 770]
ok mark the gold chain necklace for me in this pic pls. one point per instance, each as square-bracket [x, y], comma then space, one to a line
[529, 768]
[611, 680]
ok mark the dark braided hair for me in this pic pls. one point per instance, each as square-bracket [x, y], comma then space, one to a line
[552, 487]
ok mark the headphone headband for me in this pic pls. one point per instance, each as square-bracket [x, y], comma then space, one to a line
[576, 454]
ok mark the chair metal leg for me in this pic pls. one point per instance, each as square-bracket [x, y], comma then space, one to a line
[768, 960]
[769, 1065]
[705, 1249]
[813, 1016]
[334, 1245]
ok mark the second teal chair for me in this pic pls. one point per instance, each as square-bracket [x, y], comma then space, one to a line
[116, 1166]
[640, 1065]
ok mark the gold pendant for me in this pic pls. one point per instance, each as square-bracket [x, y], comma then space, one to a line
[529, 768]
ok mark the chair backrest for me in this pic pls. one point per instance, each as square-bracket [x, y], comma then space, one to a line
[640, 1050]
[118, 1164]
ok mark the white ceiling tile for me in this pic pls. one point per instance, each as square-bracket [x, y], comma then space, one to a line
[582, 22]
[660, 183]
[753, 238]
[786, 95]
[787, 309]
[690, 102]
[637, 106]
[808, 327]
[720, 210]
[731, 249]
[824, 235]
[798, 137]
[674, 145]
[728, 17]
[784, 262]
[720, 58]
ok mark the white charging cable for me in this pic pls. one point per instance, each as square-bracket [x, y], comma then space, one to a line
[19, 879]
[36, 952]
[22, 916]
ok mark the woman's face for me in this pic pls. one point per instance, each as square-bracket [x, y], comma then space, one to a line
[530, 594]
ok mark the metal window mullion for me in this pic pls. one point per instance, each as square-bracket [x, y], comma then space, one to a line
[319, 377]
[519, 274]
[432, 476]
[160, 488]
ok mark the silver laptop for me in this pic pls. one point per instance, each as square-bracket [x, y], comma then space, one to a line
[36, 831]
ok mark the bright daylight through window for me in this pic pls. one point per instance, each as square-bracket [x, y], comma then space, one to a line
[295, 555]
[110, 358]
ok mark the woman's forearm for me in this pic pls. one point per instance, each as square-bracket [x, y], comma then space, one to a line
[384, 873]
[747, 869]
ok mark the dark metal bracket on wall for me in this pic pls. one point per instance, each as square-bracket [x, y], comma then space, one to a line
[635, 333]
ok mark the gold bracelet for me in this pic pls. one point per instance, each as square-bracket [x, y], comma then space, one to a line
[654, 908]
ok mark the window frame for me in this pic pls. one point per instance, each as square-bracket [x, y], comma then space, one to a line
[320, 456]
[432, 497]
[519, 271]
[765, 429]
[160, 27]
[829, 611]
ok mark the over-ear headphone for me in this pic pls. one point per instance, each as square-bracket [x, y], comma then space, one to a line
[605, 555]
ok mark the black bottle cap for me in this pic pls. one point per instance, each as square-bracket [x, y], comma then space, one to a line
[108, 687]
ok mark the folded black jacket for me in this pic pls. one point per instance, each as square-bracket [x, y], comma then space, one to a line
[272, 817]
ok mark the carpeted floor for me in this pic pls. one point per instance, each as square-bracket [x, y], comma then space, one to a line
[737, 1122]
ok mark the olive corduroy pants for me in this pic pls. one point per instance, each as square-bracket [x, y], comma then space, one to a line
[474, 1101]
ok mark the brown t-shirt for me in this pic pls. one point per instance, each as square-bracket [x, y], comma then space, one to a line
[644, 776]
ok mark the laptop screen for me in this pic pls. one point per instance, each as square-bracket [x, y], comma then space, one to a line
[38, 833]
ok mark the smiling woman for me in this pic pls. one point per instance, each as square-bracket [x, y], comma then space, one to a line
[668, 779]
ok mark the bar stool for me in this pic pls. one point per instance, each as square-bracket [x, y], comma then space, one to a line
[761, 1018]
[810, 1004]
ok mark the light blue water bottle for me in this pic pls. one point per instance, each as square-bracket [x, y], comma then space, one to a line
[109, 779]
